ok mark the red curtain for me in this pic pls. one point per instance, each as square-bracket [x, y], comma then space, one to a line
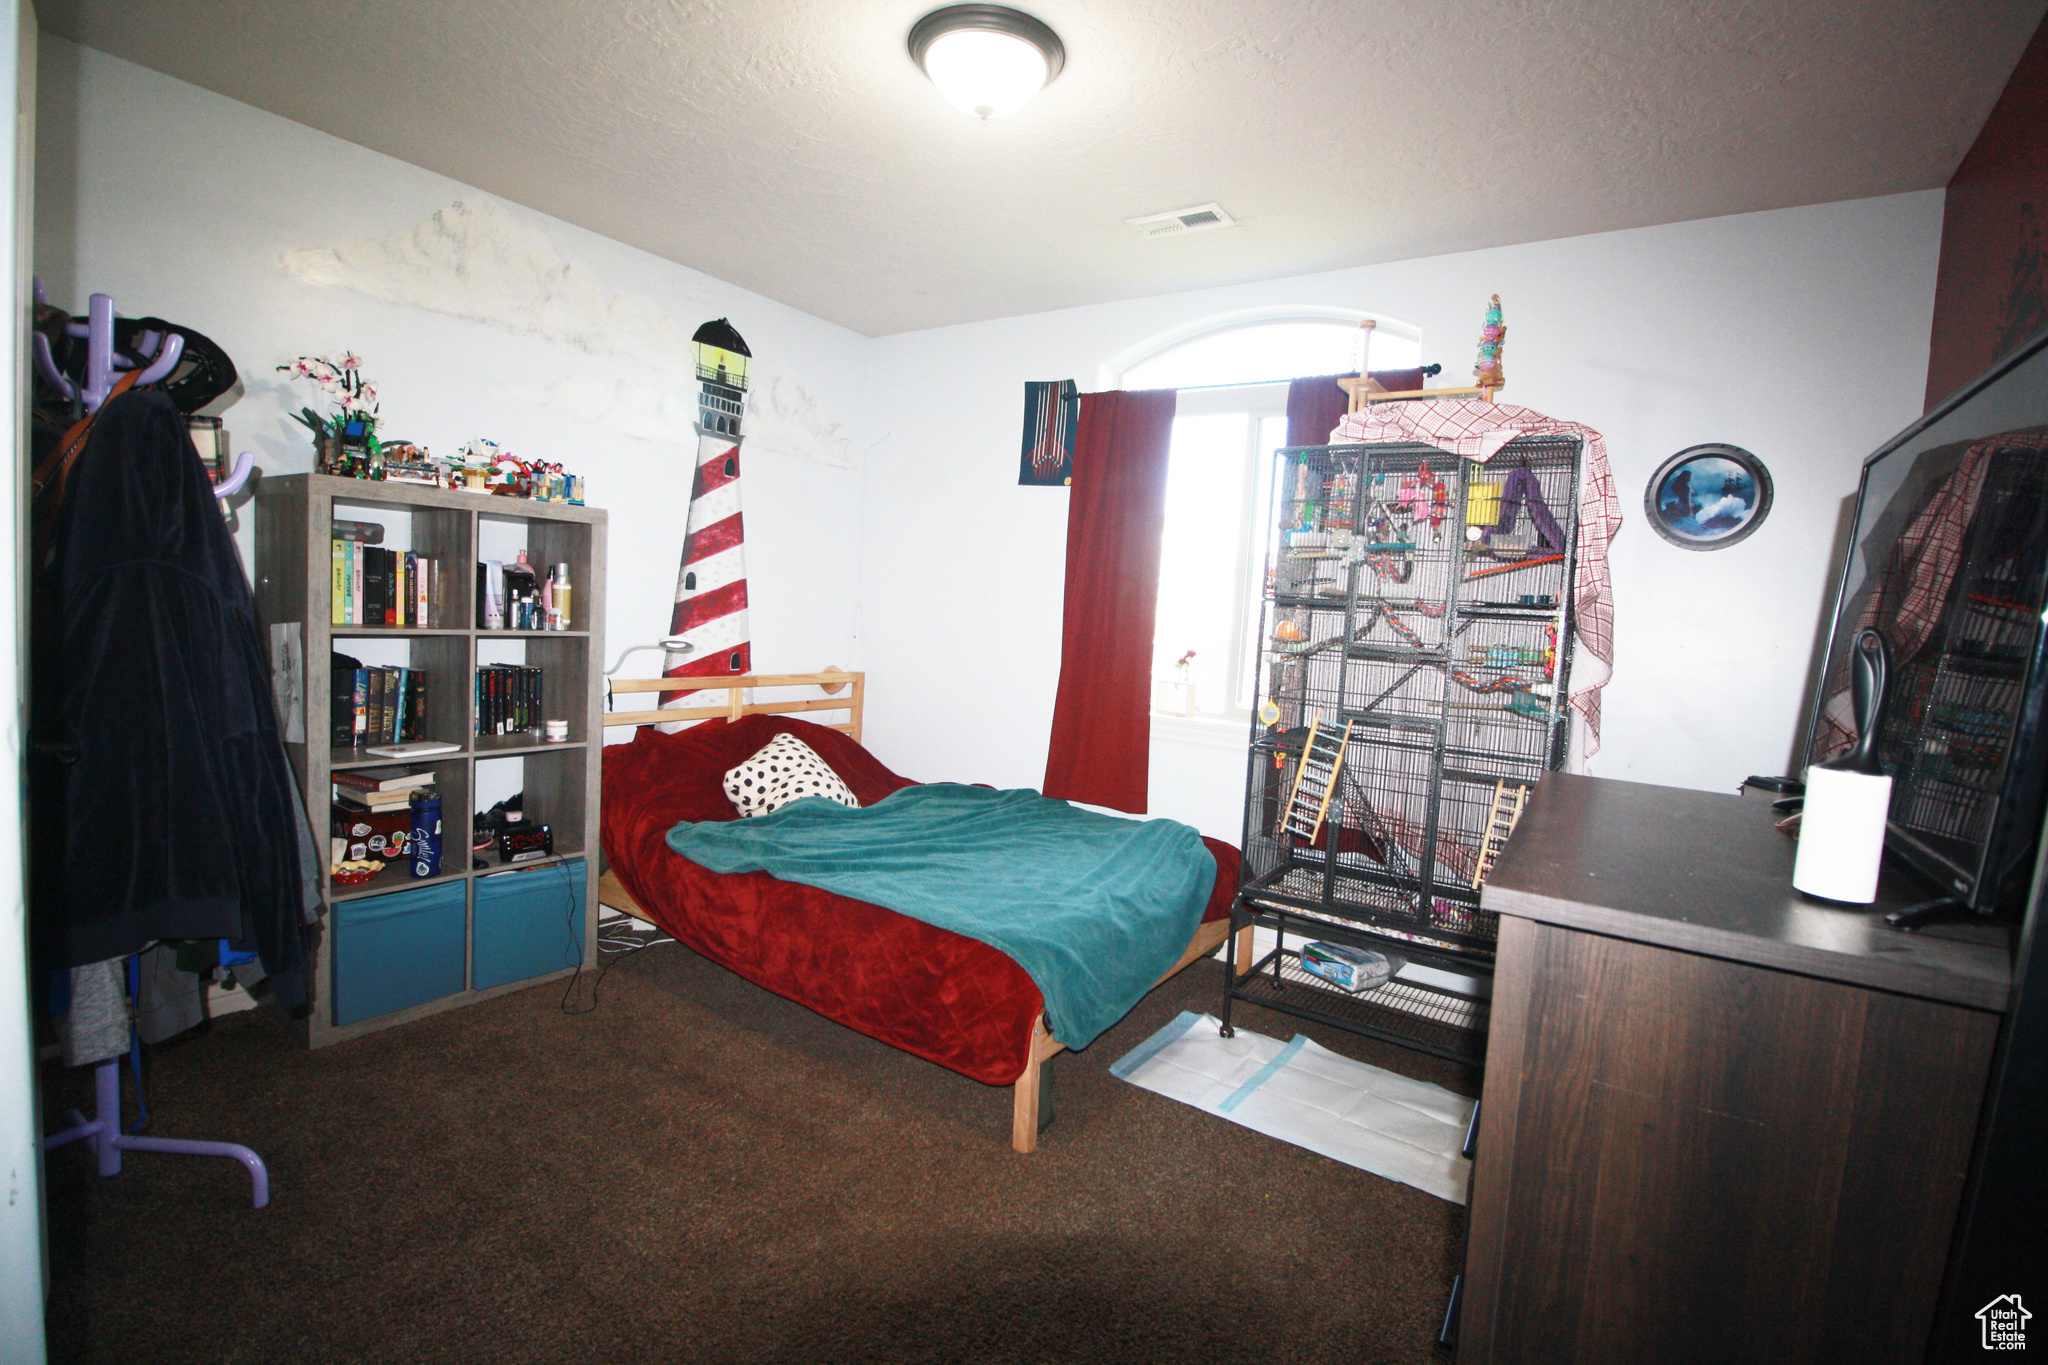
[1102, 720]
[1315, 405]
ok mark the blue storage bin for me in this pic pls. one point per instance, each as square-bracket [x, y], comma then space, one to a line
[397, 950]
[528, 923]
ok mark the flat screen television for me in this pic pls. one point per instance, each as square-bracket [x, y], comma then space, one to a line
[1948, 558]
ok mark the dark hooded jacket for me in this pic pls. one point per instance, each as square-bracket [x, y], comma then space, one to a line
[163, 804]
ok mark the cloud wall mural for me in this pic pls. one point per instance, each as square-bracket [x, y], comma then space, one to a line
[478, 261]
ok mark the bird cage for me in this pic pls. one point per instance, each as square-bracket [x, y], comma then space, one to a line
[1420, 605]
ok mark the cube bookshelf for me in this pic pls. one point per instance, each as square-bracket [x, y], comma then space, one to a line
[401, 947]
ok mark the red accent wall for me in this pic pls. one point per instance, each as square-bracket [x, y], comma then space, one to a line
[1989, 295]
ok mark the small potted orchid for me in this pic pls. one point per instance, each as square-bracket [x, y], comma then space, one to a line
[1177, 697]
[346, 439]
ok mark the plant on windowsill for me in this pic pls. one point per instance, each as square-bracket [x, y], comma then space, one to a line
[1177, 698]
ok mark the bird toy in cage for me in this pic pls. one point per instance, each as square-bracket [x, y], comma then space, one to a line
[1381, 612]
[1521, 488]
[1422, 496]
[1489, 685]
[1382, 548]
[1491, 334]
[1339, 492]
[1545, 544]
[1520, 656]
[1523, 698]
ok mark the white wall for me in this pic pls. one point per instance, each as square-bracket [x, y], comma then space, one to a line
[180, 203]
[21, 1183]
[1800, 335]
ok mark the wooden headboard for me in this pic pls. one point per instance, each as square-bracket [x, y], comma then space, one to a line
[831, 682]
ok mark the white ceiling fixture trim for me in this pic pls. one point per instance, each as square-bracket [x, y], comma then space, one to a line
[987, 60]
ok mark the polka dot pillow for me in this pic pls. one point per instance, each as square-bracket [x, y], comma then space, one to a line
[781, 771]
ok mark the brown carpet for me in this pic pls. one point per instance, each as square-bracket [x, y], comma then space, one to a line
[702, 1171]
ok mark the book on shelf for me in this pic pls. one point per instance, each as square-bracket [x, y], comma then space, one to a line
[508, 699]
[337, 587]
[373, 586]
[386, 705]
[417, 749]
[356, 800]
[342, 712]
[385, 779]
[376, 584]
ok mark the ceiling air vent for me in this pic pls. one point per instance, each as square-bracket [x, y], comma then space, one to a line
[1200, 218]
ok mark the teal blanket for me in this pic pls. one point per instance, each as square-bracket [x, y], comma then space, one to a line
[1095, 909]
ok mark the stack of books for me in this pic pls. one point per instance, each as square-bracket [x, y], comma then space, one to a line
[508, 699]
[378, 587]
[378, 706]
[379, 789]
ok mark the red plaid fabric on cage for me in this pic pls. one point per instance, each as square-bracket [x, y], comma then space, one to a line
[1477, 430]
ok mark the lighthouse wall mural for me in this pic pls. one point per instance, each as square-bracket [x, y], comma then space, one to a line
[711, 587]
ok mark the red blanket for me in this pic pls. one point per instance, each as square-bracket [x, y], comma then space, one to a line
[927, 990]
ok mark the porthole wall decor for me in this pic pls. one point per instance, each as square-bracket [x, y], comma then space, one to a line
[1707, 497]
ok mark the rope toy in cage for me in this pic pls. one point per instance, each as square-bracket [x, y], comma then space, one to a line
[1521, 488]
[1501, 684]
[1523, 698]
[1382, 612]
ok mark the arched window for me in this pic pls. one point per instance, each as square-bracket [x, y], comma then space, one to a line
[1263, 350]
[1232, 374]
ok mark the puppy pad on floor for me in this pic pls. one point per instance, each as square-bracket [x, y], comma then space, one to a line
[1303, 1093]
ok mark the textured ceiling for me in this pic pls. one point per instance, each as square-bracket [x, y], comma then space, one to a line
[791, 147]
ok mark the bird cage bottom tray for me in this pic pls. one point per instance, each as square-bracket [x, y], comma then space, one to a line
[1416, 1014]
[1377, 903]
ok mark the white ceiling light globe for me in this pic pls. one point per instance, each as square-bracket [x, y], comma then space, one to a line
[987, 60]
[984, 73]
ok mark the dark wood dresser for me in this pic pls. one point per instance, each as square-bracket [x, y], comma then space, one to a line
[1721, 1122]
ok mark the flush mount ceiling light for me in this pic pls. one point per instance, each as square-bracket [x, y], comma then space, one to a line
[987, 60]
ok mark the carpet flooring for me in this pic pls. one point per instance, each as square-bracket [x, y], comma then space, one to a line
[700, 1171]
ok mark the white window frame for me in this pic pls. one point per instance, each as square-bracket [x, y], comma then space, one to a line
[1112, 371]
[1258, 401]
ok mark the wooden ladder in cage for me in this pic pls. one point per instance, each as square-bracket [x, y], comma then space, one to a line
[1500, 823]
[1315, 781]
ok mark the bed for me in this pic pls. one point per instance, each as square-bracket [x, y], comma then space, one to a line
[931, 992]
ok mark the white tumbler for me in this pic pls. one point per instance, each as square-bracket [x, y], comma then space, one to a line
[1842, 823]
[1841, 834]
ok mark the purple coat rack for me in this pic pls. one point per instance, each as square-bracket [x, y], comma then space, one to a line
[103, 363]
[103, 1131]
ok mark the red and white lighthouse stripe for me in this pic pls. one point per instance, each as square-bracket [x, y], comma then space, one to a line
[711, 590]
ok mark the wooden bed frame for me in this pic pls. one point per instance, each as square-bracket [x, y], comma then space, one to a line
[1028, 1110]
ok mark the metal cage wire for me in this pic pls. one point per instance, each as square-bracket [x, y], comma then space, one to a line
[1425, 600]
